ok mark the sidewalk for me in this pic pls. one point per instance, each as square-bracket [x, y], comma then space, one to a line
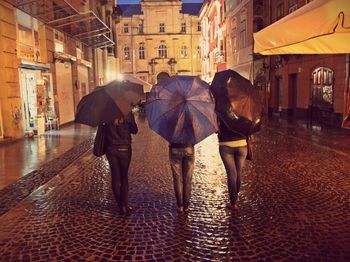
[334, 138]
[22, 156]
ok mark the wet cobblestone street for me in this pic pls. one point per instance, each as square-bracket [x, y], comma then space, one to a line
[294, 205]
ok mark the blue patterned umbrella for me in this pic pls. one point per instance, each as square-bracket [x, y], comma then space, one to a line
[181, 110]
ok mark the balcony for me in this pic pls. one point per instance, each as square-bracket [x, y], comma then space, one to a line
[61, 15]
[220, 57]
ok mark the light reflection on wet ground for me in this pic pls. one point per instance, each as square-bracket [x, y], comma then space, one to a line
[23, 156]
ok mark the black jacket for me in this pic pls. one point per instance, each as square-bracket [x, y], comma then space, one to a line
[225, 134]
[120, 134]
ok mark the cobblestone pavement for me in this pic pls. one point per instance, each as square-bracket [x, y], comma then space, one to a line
[294, 206]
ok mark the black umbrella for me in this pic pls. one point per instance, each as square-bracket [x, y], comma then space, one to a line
[237, 102]
[108, 102]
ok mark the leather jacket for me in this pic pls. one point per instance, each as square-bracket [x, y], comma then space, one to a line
[120, 134]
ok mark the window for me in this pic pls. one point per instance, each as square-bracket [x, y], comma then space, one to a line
[243, 34]
[216, 28]
[258, 24]
[141, 27]
[126, 53]
[183, 27]
[322, 92]
[142, 51]
[292, 6]
[199, 27]
[162, 27]
[28, 37]
[279, 11]
[234, 38]
[162, 51]
[126, 28]
[198, 51]
[183, 51]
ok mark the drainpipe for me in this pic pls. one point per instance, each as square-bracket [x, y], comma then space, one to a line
[346, 123]
[104, 50]
[191, 46]
[268, 87]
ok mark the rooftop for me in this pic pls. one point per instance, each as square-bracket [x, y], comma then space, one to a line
[128, 10]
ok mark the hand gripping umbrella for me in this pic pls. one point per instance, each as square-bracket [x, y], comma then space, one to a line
[108, 102]
[237, 102]
[181, 110]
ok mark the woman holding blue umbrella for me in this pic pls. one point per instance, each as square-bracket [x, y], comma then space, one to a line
[181, 110]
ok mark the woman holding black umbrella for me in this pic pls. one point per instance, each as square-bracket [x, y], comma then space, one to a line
[238, 106]
[118, 153]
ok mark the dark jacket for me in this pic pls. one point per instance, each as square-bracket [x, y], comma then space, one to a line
[119, 135]
[178, 145]
[225, 134]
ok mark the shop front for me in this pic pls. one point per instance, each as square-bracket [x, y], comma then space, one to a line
[37, 96]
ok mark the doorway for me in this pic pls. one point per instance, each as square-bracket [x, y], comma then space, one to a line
[292, 94]
[65, 93]
[28, 82]
[279, 93]
[161, 76]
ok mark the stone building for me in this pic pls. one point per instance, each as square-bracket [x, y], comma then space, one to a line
[309, 87]
[213, 38]
[53, 52]
[158, 39]
[227, 38]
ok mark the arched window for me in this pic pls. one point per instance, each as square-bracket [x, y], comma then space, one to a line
[322, 93]
[162, 51]
[183, 27]
[183, 51]
[126, 53]
[142, 51]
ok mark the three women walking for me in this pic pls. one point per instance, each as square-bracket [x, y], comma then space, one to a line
[182, 110]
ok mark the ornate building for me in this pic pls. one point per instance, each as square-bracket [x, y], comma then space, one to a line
[158, 39]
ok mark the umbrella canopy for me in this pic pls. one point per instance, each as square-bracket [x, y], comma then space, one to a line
[108, 102]
[133, 79]
[237, 102]
[320, 27]
[181, 110]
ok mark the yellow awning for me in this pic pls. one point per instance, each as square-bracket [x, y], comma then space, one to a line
[319, 27]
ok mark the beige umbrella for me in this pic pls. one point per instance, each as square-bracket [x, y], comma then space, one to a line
[320, 27]
[133, 79]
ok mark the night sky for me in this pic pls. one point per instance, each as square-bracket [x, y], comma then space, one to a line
[137, 1]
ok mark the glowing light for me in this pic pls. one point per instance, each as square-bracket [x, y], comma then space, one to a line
[120, 77]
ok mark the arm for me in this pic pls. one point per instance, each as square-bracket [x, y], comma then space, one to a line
[130, 119]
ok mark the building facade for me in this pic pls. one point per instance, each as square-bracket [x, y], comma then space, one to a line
[213, 38]
[158, 39]
[53, 54]
[309, 87]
